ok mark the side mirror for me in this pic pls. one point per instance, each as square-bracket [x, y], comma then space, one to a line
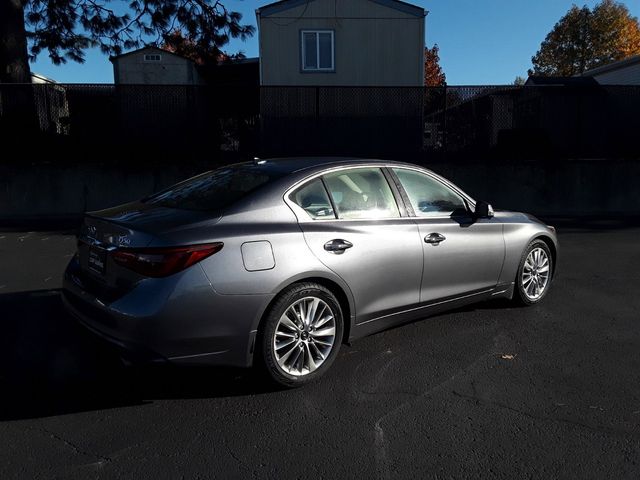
[483, 210]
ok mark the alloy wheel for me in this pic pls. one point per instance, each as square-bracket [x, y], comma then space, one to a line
[535, 273]
[304, 336]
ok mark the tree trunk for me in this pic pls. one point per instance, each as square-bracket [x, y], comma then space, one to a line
[14, 60]
[18, 118]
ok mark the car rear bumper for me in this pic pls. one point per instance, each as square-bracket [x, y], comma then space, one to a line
[179, 319]
[128, 350]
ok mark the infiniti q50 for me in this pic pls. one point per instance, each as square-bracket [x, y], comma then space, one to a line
[276, 263]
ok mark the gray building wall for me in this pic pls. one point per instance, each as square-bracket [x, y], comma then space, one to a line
[375, 45]
[170, 70]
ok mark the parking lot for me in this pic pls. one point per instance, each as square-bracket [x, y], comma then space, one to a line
[492, 390]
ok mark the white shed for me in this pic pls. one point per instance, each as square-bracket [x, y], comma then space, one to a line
[154, 66]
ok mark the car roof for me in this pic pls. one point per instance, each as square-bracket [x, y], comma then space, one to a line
[289, 173]
[307, 164]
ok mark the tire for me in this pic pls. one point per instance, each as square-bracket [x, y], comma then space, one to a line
[535, 273]
[293, 357]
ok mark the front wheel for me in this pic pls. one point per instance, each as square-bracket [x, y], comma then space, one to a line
[301, 334]
[534, 274]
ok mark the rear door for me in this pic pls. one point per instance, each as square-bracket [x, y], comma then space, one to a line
[463, 256]
[353, 224]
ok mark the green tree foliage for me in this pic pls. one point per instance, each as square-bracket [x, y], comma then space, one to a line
[64, 29]
[433, 74]
[586, 38]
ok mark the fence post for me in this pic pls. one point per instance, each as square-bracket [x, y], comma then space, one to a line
[318, 136]
[578, 149]
[444, 123]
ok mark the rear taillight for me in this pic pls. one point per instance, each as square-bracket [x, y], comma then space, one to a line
[161, 261]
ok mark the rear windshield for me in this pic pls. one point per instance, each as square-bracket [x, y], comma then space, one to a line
[216, 189]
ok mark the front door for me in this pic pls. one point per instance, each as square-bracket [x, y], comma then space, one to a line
[463, 256]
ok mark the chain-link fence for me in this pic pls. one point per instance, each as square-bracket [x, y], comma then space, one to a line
[129, 123]
[150, 122]
[532, 122]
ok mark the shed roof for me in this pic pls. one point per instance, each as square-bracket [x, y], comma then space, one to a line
[282, 5]
[627, 62]
[146, 47]
[536, 80]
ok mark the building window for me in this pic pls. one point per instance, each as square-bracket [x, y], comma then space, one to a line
[153, 57]
[318, 50]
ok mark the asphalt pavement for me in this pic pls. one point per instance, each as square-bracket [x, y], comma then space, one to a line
[489, 391]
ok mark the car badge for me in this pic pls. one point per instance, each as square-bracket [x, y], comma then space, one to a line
[124, 240]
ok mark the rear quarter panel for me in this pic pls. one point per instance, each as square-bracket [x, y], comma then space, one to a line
[274, 223]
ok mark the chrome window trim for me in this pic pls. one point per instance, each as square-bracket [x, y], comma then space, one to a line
[471, 203]
[301, 212]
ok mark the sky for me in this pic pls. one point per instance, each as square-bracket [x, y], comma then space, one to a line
[482, 42]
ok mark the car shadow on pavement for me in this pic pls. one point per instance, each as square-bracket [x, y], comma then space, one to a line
[49, 365]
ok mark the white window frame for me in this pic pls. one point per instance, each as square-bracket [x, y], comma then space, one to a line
[333, 51]
[156, 57]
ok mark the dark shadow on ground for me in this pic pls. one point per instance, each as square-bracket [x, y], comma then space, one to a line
[49, 365]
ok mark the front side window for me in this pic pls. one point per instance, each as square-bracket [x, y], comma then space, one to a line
[314, 200]
[428, 197]
[318, 50]
[361, 193]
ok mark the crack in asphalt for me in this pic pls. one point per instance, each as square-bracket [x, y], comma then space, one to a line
[242, 463]
[381, 444]
[77, 449]
[236, 457]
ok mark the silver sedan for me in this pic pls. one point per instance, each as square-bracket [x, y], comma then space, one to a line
[276, 263]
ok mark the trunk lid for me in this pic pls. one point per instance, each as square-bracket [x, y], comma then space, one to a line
[133, 225]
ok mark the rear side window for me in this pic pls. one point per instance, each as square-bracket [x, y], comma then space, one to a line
[361, 193]
[314, 200]
[216, 189]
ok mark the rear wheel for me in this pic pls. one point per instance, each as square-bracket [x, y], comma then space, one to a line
[534, 274]
[301, 334]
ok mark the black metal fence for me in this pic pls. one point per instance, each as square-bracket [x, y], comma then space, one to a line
[536, 122]
[132, 124]
[148, 123]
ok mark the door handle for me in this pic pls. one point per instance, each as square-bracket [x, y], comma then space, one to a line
[434, 238]
[337, 246]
